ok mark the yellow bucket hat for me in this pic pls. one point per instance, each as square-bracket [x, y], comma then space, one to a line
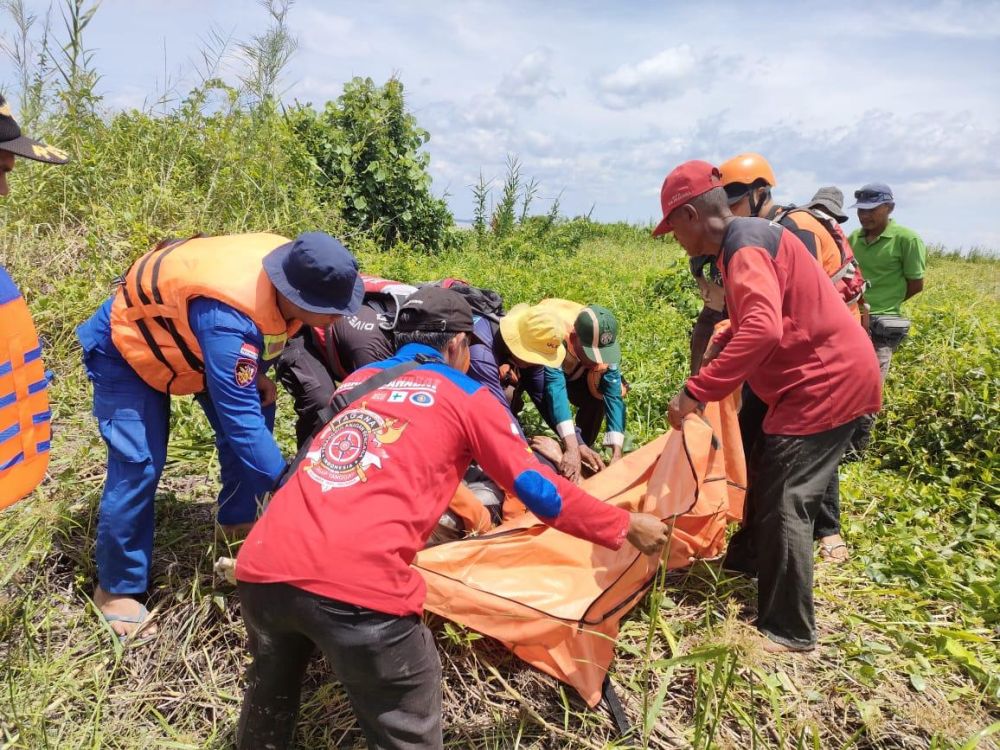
[534, 334]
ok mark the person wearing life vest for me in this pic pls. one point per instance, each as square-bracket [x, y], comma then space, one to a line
[328, 565]
[25, 418]
[205, 317]
[793, 340]
[317, 359]
[748, 180]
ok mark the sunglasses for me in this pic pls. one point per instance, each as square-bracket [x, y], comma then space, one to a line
[872, 196]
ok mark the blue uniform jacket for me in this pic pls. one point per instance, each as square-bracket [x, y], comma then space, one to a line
[230, 342]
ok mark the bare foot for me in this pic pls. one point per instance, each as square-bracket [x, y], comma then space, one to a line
[125, 607]
[232, 533]
[834, 549]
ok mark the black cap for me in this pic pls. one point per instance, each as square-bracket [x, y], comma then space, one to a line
[434, 308]
[11, 140]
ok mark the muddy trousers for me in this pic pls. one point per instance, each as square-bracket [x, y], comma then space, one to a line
[789, 477]
[388, 666]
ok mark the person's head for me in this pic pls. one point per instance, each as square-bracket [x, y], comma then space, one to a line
[694, 208]
[594, 338]
[439, 318]
[874, 203]
[533, 335]
[830, 201]
[748, 179]
[316, 279]
[14, 144]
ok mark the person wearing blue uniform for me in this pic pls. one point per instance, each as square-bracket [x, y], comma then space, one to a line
[314, 280]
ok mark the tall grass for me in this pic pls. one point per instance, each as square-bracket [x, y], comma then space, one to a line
[908, 628]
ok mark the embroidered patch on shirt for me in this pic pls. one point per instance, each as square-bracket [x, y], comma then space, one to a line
[246, 372]
[249, 350]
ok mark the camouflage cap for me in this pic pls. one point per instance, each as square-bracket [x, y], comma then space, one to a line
[11, 140]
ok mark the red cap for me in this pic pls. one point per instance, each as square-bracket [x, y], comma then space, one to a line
[688, 181]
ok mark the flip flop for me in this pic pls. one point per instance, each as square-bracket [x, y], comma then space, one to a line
[138, 619]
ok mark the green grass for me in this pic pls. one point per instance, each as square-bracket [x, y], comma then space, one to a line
[908, 628]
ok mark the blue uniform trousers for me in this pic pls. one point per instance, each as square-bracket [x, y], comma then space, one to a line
[134, 421]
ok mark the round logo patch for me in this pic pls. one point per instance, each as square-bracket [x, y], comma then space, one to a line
[421, 398]
[245, 372]
[606, 338]
[347, 448]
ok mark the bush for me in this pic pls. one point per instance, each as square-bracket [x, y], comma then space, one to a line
[367, 151]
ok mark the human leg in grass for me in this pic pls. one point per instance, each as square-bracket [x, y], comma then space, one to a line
[388, 666]
[826, 531]
[133, 420]
[792, 474]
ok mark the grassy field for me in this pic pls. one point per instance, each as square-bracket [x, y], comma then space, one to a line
[908, 628]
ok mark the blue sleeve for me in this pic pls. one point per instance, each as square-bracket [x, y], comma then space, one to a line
[614, 405]
[533, 380]
[231, 345]
[555, 403]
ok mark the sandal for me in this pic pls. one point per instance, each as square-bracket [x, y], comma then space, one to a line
[828, 552]
[136, 635]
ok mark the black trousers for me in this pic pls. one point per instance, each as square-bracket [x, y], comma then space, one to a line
[790, 476]
[301, 370]
[388, 665]
[751, 417]
[589, 410]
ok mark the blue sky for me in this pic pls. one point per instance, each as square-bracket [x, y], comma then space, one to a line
[600, 100]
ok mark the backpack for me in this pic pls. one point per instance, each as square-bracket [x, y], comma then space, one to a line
[847, 280]
[485, 303]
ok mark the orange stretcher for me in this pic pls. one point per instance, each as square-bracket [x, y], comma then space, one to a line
[556, 601]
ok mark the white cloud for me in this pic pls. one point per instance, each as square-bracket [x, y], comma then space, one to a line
[531, 79]
[664, 76]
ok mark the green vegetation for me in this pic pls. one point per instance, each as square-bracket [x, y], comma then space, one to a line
[909, 627]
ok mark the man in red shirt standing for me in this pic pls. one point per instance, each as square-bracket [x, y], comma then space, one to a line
[795, 342]
[328, 563]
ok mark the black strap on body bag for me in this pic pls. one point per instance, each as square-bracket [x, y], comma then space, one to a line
[343, 399]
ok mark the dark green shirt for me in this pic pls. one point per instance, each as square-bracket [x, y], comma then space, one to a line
[897, 255]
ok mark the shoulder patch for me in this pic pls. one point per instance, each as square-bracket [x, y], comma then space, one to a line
[245, 372]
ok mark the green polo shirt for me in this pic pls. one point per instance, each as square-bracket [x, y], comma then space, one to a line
[896, 255]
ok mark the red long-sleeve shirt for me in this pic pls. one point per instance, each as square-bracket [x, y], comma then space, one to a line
[350, 520]
[791, 338]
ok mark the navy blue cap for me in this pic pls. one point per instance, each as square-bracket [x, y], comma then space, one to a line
[872, 195]
[317, 273]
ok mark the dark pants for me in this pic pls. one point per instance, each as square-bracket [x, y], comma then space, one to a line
[752, 414]
[388, 665]
[790, 476]
[301, 370]
[589, 409]
[701, 334]
[885, 347]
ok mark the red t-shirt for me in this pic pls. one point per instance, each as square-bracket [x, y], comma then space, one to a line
[791, 338]
[350, 520]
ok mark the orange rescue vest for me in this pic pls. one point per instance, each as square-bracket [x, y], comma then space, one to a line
[149, 315]
[25, 418]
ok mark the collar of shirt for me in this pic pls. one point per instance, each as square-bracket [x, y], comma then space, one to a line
[410, 351]
[888, 233]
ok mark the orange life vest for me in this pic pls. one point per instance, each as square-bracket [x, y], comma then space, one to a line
[25, 419]
[149, 316]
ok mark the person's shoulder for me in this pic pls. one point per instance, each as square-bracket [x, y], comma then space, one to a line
[207, 313]
[460, 380]
[899, 231]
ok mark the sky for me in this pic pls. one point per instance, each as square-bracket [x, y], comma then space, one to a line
[599, 100]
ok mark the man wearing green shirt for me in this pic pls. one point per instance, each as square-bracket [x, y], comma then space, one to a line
[893, 259]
